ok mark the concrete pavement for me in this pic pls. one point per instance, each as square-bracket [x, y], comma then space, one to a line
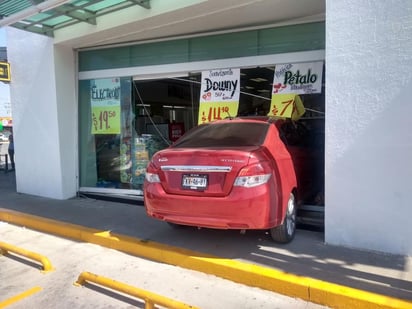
[23, 285]
[306, 268]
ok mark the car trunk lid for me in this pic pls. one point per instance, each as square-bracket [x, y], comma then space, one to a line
[203, 172]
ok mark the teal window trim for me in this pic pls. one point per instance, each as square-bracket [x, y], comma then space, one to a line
[286, 39]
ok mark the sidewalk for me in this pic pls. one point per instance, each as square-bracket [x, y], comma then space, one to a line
[307, 256]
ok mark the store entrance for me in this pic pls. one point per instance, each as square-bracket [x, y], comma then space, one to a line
[166, 108]
[176, 99]
[139, 117]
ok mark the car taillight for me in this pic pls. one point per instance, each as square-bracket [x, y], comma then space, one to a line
[151, 175]
[253, 175]
[152, 178]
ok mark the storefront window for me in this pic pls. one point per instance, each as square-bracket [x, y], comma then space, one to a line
[106, 117]
[116, 137]
[124, 121]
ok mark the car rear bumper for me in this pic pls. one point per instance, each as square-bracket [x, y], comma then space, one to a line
[244, 208]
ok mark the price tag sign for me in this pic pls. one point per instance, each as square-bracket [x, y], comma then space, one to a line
[106, 120]
[217, 111]
[219, 94]
[286, 106]
[105, 104]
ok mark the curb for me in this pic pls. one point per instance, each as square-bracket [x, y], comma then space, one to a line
[308, 289]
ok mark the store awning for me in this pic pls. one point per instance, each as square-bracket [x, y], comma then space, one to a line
[46, 16]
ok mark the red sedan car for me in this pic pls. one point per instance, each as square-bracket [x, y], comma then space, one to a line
[228, 174]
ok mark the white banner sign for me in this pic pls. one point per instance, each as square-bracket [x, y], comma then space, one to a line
[220, 85]
[219, 94]
[105, 92]
[298, 78]
[105, 103]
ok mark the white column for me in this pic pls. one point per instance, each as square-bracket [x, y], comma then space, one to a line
[44, 115]
[368, 125]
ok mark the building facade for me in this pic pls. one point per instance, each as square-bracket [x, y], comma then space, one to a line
[151, 59]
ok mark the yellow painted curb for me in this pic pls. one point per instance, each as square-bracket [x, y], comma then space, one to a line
[19, 297]
[312, 290]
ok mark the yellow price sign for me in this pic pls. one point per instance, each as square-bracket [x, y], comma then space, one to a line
[106, 120]
[217, 110]
[286, 106]
[5, 71]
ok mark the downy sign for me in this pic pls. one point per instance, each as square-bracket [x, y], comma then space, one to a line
[219, 94]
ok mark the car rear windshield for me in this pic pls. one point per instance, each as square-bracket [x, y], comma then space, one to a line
[224, 135]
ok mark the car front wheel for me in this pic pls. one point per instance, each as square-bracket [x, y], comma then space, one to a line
[285, 232]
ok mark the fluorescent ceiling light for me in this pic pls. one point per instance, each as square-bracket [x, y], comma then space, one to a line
[174, 107]
[259, 79]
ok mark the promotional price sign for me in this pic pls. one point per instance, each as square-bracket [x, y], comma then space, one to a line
[298, 78]
[219, 94]
[105, 103]
[5, 71]
[216, 111]
[286, 106]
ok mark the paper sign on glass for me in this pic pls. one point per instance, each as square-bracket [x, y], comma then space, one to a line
[219, 94]
[298, 78]
[106, 120]
[105, 103]
[217, 111]
[286, 106]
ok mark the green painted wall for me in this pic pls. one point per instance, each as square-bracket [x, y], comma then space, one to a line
[295, 38]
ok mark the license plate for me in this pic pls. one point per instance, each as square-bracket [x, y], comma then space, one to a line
[194, 182]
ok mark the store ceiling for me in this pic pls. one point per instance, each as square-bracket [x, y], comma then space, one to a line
[46, 16]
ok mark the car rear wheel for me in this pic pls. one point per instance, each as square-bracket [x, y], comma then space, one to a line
[286, 231]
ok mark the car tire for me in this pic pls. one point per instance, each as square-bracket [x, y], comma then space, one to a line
[285, 232]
